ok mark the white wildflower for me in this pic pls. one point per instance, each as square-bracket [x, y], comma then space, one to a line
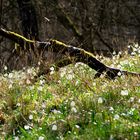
[29, 71]
[119, 74]
[94, 123]
[40, 88]
[131, 111]
[5, 75]
[123, 114]
[77, 82]
[41, 138]
[42, 82]
[116, 117]
[10, 75]
[72, 104]
[125, 62]
[26, 127]
[138, 100]
[5, 68]
[135, 133]
[135, 124]
[114, 53]
[3, 133]
[111, 109]
[39, 63]
[28, 81]
[94, 84]
[55, 111]
[133, 53]
[136, 45]
[120, 53]
[69, 132]
[100, 100]
[43, 105]
[18, 104]
[102, 76]
[62, 73]
[135, 49]
[77, 126]
[51, 68]
[119, 66]
[32, 87]
[70, 76]
[131, 99]
[54, 127]
[124, 92]
[16, 138]
[129, 46]
[21, 83]
[40, 128]
[31, 117]
[10, 86]
[74, 110]
[111, 137]
[52, 72]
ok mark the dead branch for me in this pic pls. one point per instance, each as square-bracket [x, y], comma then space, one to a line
[79, 55]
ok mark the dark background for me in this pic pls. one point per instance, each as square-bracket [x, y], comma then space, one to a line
[98, 26]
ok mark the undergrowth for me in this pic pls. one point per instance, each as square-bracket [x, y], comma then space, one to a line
[70, 104]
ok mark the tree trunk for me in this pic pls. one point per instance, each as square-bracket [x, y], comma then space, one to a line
[28, 19]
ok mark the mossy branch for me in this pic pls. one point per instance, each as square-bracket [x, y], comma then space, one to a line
[17, 38]
[79, 55]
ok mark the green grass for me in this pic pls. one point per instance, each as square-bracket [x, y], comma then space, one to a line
[70, 104]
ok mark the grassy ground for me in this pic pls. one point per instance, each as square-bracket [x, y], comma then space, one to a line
[70, 104]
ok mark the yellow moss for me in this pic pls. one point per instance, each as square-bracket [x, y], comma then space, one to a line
[20, 36]
[58, 43]
[88, 53]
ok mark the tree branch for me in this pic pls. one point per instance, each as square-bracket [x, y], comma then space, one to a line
[79, 55]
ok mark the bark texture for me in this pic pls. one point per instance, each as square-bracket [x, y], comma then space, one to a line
[28, 19]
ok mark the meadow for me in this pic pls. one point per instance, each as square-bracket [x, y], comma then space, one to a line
[70, 104]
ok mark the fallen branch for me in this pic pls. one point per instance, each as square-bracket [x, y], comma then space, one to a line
[79, 55]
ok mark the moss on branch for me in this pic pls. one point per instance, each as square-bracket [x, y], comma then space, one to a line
[79, 55]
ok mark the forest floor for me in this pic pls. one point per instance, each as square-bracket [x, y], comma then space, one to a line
[70, 104]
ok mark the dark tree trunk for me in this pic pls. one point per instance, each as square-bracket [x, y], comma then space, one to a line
[1, 1]
[28, 19]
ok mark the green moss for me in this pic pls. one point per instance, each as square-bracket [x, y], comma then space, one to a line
[56, 42]
[21, 37]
